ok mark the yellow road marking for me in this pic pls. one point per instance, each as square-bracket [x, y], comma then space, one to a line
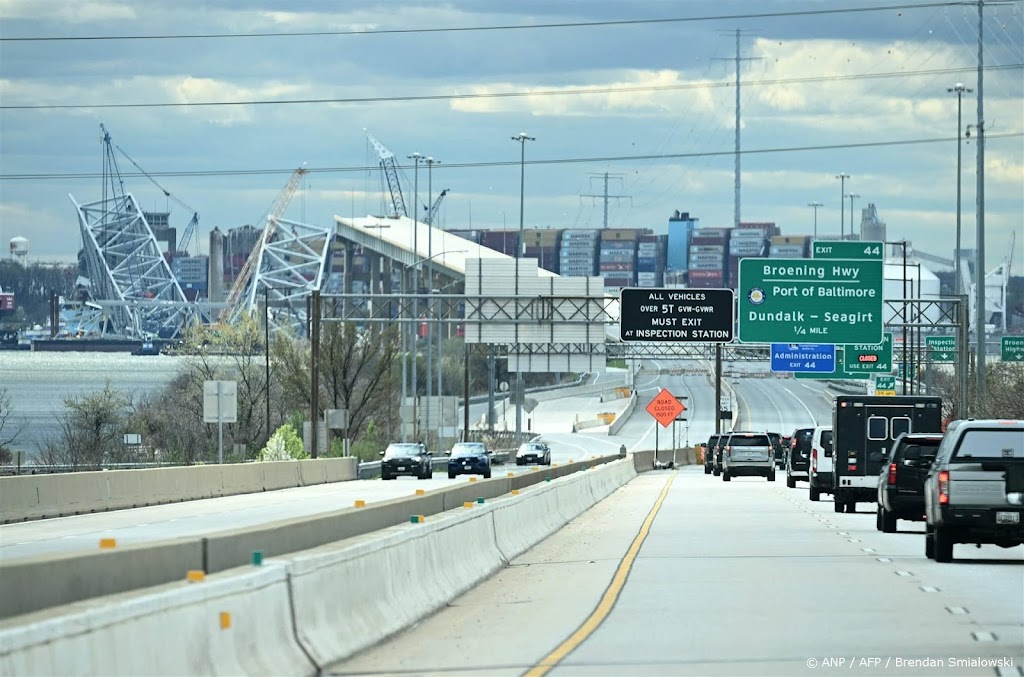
[611, 595]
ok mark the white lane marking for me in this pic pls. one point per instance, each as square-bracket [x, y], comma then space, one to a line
[884, 559]
[929, 588]
[868, 549]
[809, 413]
[983, 636]
[957, 610]
[904, 573]
[782, 423]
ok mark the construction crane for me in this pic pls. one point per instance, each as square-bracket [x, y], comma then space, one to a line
[190, 229]
[252, 262]
[432, 211]
[387, 165]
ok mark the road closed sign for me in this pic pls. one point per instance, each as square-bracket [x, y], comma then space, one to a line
[665, 407]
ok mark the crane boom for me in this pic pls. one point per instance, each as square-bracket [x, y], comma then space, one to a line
[432, 212]
[252, 262]
[387, 164]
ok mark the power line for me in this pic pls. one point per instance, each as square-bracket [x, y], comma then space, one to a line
[509, 95]
[508, 163]
[467, 29]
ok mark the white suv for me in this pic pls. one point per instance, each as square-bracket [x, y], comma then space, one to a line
[747, 453]
[820, 467]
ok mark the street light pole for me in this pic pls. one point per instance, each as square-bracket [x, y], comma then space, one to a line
[815, 205]
[521, 138]
[851, 196]
[414, 344]
[959, 89]
[430, 285]
[842, 195]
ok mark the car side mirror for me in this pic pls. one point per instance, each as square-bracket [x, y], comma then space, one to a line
[381, 453]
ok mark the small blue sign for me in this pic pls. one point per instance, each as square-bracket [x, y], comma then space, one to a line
[814, 358]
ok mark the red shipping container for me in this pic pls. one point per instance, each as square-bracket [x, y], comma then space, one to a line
[708, 241]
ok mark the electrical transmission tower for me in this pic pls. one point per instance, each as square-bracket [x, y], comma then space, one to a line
[737, 59]
[605, 195]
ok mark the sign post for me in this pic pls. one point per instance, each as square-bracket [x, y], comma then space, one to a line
[804, 357]
[1012, 349]
[794, 300]
[676, 315]
[941, 348]
[664, 408]
[220, 406]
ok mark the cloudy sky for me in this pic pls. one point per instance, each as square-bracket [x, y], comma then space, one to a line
[421, 76]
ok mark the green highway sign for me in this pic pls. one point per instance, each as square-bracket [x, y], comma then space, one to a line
[875, 358]
[941, 348]
[810, 301]
[885, 385]
[1012, 348]
[838, 374]
[847, 249]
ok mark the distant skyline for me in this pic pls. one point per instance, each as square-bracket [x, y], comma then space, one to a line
[861, 93]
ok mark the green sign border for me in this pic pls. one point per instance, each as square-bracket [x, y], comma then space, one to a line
[1004, 348]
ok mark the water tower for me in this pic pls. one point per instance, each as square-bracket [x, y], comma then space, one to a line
[19, 249]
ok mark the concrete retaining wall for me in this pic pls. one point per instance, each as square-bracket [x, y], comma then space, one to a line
[29, 497]
[614, 428]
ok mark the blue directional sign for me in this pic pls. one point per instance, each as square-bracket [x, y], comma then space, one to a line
[814, 358]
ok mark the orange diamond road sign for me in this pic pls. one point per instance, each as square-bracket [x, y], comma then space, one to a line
[665, 407]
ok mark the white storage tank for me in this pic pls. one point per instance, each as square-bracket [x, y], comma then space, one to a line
[921, 284]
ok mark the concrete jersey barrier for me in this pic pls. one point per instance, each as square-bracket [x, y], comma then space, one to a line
[27, 497]
[299, 614]
[105, 572]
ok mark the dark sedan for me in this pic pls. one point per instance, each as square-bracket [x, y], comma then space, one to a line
[406, 458]
[469, 458]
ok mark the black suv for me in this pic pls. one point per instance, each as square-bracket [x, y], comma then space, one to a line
[469, 458]
[901, 484]
[406, 458]
[778, 449]
[709, 454]
[798, 457]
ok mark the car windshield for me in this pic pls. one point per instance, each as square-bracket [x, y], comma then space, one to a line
[531, 449]
[991, 444]
[749, 441]
[401, 450]
[467, 449]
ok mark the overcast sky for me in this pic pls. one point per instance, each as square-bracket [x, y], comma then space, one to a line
[915, 51]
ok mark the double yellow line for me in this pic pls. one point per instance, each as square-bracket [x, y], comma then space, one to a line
[611, 595]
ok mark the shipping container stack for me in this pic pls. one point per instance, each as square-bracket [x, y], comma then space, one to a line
[749, 240]
[617, 262]
[504, 241]
[577, 256]
[707, 257]
[650, 260]
[542, 244]
[790, 247]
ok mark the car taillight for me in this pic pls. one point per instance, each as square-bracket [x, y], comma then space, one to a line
[728, 450]
[944, 487]
[814, 458]
[892, 474]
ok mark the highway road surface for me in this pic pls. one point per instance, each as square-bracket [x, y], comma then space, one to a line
[739, 578]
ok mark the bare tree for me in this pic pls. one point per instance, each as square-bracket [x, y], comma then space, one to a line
[11, 427]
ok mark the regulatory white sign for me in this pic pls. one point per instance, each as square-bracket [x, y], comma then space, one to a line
[220, 402]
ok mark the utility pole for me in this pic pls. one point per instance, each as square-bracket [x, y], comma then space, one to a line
[737, 59]
[605, 196]
[979, 266]
[521, 138]
[413, 345]
[851, 196]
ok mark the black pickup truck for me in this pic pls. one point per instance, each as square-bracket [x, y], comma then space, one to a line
[901, 483]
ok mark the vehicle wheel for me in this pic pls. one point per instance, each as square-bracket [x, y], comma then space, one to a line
[384, 476]
[487, 474]
[878, 519]
[707, 470]
[518, 462]
[929, 542]
[888, 520]
[790, 481]
[771, 476]
[814, 493]
[451, 475]
[716, 472]
[725, 476]
[942, 544]
[838, 505]
[851, 507]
